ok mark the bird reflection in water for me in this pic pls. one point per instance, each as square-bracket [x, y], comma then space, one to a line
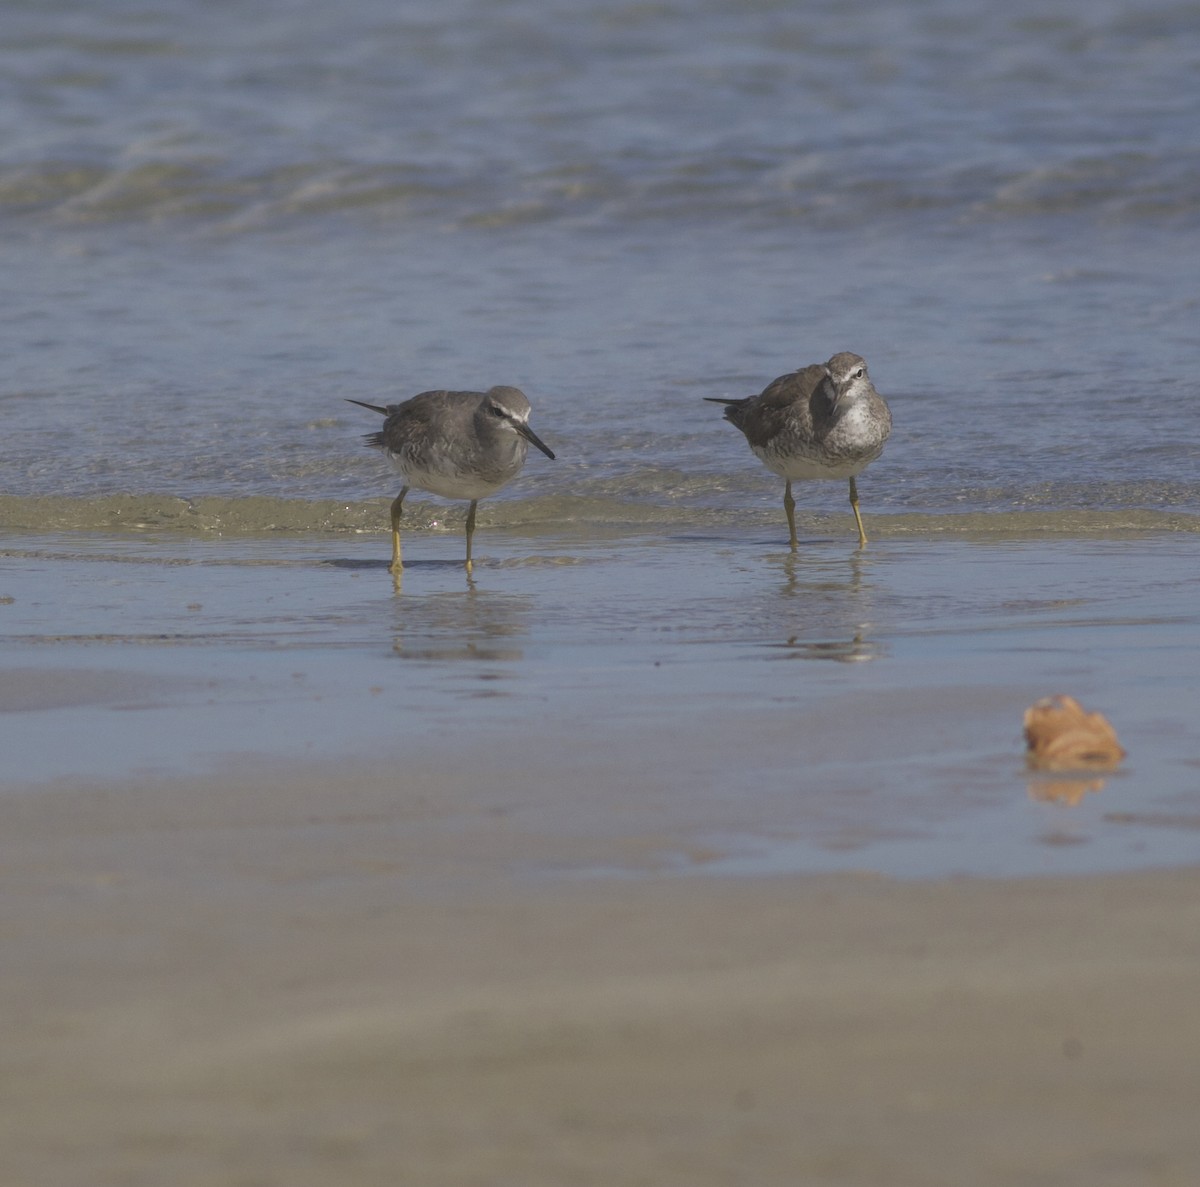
[462, 626]
[834, 598]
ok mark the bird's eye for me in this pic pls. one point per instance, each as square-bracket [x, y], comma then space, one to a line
[496, 411]
[857, 374]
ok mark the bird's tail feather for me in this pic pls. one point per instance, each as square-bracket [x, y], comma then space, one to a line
[373, 407]
[734, 409]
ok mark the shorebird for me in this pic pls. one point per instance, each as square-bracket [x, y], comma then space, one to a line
[460, 445]
[823, 421]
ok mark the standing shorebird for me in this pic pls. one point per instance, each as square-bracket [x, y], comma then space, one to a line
[460, 445]
[823, 421]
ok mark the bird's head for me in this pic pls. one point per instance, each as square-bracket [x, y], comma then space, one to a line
[507, 408]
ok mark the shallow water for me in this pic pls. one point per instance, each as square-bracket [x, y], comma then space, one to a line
[702, 701]
[215, 230]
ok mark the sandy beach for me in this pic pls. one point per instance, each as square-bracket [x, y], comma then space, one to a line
[654, 852]
[279, 980]
[617, 867]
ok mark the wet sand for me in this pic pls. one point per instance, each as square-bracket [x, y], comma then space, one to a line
[644, 860]
[702, 697]
[288, 980]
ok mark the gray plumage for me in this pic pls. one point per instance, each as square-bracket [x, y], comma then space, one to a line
[459, 445]
[823, 421]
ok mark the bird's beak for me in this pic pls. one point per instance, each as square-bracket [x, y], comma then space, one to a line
[835, 392]
[533, 438]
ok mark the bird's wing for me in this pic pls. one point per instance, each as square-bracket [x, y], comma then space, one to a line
[796, 387]
[786, 402]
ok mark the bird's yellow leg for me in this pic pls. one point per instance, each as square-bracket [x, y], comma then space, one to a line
[862, 536]
[397, 507]
[470, 533]
[789, 505]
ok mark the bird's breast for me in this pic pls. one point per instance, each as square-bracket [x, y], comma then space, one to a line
[457, 474]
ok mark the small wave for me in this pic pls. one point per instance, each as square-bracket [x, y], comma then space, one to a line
[1116, 185]
[208, 189]
[262, 515]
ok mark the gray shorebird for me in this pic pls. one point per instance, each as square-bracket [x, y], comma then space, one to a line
[460, 445]
[823, 421]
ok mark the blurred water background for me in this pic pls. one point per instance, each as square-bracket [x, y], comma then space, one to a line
[217, 220]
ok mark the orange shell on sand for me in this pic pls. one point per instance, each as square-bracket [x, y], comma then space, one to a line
[1062, 736]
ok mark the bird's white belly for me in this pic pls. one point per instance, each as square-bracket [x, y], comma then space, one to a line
[439, 477]
[805, 466]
